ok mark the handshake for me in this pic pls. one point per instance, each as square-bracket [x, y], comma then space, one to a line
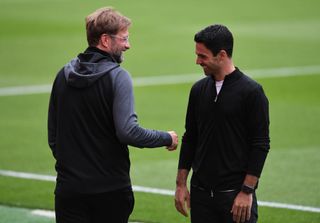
[175, 141]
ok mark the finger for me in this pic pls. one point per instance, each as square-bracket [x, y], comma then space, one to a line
[177, 205]
[238, 215]
[233, 211]
[235, 214]
[185, 211]
[180, 208]
[171, 148]
[248, 213]
[243, 214]
[188, 202]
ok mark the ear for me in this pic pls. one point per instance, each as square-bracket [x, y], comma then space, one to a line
[223, 54]
[104, 40]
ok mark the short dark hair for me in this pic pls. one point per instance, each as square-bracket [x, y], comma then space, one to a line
[216, 37]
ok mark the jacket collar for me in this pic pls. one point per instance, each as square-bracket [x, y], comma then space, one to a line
[92, 49]
[232, 77]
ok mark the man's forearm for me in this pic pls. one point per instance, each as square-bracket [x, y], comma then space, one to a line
[182, 177]
[250, 181]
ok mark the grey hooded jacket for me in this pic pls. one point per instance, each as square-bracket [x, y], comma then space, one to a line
[91, 121]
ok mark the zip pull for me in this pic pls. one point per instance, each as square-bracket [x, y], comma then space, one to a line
[211, 193]
[219, 85]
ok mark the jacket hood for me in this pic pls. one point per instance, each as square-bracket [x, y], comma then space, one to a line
[88, 67]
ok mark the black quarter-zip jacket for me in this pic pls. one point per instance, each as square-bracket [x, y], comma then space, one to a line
[227, 136]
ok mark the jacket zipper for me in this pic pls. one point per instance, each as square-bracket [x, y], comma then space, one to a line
[216, 98]
[217, 94]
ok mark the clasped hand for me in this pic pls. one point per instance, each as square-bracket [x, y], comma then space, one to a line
[175, 141]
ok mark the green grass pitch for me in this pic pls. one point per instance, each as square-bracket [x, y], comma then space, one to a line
[38, 37]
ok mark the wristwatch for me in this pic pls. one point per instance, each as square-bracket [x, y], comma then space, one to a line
[247, 189]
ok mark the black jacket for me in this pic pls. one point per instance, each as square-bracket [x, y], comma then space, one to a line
[227, 136]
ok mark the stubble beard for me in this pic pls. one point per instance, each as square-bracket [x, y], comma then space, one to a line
[118, 56]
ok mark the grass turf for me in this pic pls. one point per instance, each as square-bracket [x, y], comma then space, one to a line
[286, 170]
[35, 41]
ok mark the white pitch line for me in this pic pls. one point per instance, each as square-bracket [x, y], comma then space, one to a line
[30, 176]
[289, 206]
[151, 190]
[44, 213]
[25, 90]
[173, 79]
[41, 177]
[51, 214]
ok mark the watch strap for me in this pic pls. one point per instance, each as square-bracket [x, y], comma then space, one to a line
[247, 189]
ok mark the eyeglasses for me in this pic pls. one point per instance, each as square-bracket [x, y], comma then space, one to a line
[123, 39]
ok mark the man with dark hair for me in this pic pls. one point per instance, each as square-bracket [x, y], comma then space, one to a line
[226, 139]
[91, 122]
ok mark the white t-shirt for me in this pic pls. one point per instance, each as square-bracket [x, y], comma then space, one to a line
[219, 86]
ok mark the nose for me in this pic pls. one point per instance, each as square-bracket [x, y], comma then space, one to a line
[127, 45]
[198, 60]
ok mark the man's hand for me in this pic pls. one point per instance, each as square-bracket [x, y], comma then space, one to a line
[241, 208]
[175, 141]
[182, 200]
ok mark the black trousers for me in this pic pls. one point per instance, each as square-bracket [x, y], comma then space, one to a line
[114, 207]
[216, 207]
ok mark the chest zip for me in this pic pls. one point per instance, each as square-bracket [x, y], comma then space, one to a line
[216, 98]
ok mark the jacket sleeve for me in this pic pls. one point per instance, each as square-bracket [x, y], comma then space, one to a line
[52, 122]
[190, 137]
[125, 119]
[258, 126]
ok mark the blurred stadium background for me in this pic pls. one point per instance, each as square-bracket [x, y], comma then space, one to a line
[276, 42]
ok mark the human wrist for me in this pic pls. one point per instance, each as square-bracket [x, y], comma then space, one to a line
[182, 176]
[181, 183]
[247, 189]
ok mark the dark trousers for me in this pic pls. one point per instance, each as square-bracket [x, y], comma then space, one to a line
[216, 207]
[114, 207]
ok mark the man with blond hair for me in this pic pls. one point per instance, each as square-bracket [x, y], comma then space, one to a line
[91, 122]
